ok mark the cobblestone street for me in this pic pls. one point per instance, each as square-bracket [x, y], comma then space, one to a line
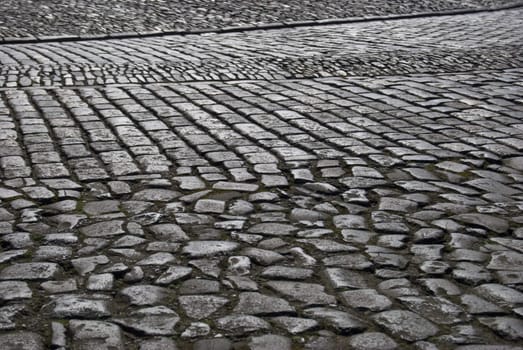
[342, 186]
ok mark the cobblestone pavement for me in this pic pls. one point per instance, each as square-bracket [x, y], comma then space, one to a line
[34, 18]
[240, 190]
[435, 45]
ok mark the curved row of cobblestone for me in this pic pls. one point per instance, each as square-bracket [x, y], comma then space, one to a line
[311, 213]
[29, 18]
[437, 45]
[264, 68]
[244, 209]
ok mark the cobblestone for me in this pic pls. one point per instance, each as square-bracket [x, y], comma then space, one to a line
[485, 41]
[378, 211]
[51, 18]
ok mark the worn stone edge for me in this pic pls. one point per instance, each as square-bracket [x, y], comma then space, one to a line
[31, 39]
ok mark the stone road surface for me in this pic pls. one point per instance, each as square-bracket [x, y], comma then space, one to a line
[424, 45]
[38, 18]
[354, 186]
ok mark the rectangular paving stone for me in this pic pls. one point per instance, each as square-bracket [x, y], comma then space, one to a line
[235, 186]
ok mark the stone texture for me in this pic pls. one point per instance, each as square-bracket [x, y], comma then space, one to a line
[341, 322]
[158, 320]
[96, 334]
[201, 306]
[12, 290]
[436, 309]
[372, 341]
[273, 229]
[145, 294]
[79, 306]
[187, 188]
[508, 327]
[206, 248]
[242, 324]
[307, 293]
[366, 299]
[270, 341]
[30, 271]
[21, 340]
[259, 304]
[295, 325]
[406, 325]
[103, 229]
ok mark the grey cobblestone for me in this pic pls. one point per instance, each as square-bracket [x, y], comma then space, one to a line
[317, 212]
[56, 18]
[402, 47]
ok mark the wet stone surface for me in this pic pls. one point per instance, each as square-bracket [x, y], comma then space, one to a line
[214, 212]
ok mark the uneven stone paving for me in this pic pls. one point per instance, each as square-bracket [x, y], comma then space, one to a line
[37, 18]
[424, 45]
[371, 212]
